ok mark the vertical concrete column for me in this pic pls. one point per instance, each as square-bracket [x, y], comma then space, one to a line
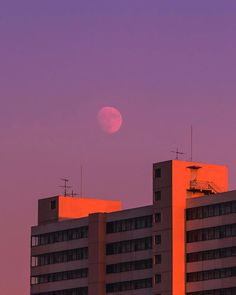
[163, 184]
[97, 254]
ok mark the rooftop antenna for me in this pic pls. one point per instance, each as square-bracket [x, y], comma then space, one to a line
[73, 194]
[177, 153]
[65, 186]
[191, 143]
[81, 180]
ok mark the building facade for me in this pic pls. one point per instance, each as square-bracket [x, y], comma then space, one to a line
[183, 243]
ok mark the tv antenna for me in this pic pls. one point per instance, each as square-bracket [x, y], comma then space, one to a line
[73, 194]
[65, 186]
[191, 143]
[81, 180]
[177, 153]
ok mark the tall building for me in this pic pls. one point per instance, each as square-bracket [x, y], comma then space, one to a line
[184, 243]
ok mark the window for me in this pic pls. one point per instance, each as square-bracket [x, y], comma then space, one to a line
[34, 241]
[211, 210]
[211, 233]
[211, 254]
[53, 204]
[157, 196]
[129, 285]
[157, 172]
[59, 276]
[158, 259]
[129, 246]
[158, 217]
[129, 266]
[60, 236]
[158, 239]
[60, 257]
[225, 291]
[77, 291]
[158, 278]
[211, 274]
[129, 224]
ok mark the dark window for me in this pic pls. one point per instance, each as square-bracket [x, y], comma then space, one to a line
[158, 217]
[211, 210]
[157, 172]
[158, 239]
[158, 259]
[77, 291]
[225, 291]
[53, 204]
[211, 254]
[129, 246]
[60, 257]
[211, 274]
[129, 266]
[129, 224]
[211, 233]
[59, 276]
[158, 278]
[129, 285]
[157, 195]
[60, 236]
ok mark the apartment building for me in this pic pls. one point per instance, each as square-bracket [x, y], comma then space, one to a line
[183, 243]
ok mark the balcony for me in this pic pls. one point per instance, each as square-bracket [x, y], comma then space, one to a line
[206, 187]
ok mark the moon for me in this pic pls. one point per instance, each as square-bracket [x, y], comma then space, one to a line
[109, 119]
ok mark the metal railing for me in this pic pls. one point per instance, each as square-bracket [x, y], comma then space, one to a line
[201, 185]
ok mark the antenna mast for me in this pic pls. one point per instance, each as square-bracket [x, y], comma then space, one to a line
[177, 153]
[191, 143]
[81, 180]
[65, 186]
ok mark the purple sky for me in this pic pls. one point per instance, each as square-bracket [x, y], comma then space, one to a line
[164, 64]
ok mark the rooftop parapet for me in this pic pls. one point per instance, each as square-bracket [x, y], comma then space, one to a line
[67, 207]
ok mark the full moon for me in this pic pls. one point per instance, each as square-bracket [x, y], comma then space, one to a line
[109, 119]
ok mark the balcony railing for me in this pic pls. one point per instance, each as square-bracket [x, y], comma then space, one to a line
[204, 186]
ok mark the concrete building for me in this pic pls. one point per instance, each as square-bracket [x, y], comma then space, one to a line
[183, 243]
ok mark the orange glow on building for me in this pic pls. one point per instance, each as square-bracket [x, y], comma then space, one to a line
[68, 207]
[183, 173]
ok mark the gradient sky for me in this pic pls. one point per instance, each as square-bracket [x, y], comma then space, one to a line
[164, 64]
